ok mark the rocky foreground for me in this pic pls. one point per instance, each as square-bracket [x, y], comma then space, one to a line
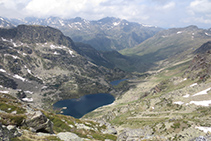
[19, 121]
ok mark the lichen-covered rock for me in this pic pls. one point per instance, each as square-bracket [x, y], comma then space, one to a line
[109, 128]
[39, 122]
[68, 136]
[202, 138]
[6, 133]
[133, 134]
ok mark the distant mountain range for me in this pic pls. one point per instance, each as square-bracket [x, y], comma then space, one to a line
[105, 34]
[142, 47]
[167, 47]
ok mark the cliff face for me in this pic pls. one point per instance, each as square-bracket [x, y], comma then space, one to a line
[200, 67]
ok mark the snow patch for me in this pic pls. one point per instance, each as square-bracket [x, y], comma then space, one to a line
[204, 129]
[71, 52]
[5, 92]
[201, 103]
[186, 96]
[179, 32]
[24, 54]
[19, 77]
[27, 99]
[115, 23]
[78, 23]
[14, 44]
[5, 40]
[202, 92]
[44, 87]
[57, 47]
[56, 53]
[146, 25]
[61, 22]
[179, 102]
[29, 92]
[194, 84]
[2, 70]
[15, 57]
[29, 71]
[207, 34]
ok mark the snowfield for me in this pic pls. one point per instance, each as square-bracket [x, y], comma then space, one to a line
[202, 92]
[5, 92]
[201, 103]
[179, 102]
[19, 77]
[204, 129]
[28, 99]
[186, 96]
[194, 84]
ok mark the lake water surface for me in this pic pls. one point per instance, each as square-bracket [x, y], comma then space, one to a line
[79, 107]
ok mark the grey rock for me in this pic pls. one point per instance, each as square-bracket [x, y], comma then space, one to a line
[6, 133]
[110, 130]
[39, 122]
[133, 134]
[201, 138]
[13, 130]
[68, 136]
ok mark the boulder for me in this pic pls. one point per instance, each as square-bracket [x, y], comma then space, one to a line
[8, 132]
[38, 122]
[133, 134]
[68, 136]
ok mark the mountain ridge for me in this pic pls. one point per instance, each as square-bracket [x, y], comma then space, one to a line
[104, 34]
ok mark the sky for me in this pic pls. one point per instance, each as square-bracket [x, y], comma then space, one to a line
[161, 13]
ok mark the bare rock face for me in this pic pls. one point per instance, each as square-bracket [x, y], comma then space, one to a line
[6, 133]
[133, 134]
[38, 122]
[68, 136]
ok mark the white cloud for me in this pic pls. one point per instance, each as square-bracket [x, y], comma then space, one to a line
[199, 12]
[169, 5]
[154, 12]
[201, 6]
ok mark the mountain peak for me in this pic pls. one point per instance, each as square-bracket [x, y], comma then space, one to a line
[192, 27]
[109, 20]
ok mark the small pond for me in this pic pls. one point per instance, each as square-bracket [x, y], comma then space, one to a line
[116, 82]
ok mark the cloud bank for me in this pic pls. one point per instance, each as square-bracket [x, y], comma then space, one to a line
[163, 13]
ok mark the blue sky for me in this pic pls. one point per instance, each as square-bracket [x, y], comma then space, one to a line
[162, 13]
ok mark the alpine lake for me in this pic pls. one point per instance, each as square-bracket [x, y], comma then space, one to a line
[79, 107]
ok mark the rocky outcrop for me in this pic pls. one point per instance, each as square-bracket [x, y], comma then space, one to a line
[68, 136]
[8, 132]
[133, 134]
[202, 138]
[38, 122]
[200, 67]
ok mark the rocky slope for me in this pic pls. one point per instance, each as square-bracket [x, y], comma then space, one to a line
[47, 66]
[105, 34]
[167, 105]
[19, 122]
[4, 23]
[167, 47]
